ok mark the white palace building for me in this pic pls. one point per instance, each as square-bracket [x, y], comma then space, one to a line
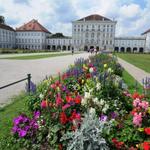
[93, 31]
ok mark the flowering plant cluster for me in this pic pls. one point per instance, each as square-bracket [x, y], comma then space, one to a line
[133, 131]
[61, 104]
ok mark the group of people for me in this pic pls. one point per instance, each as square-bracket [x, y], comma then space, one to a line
[93, 50]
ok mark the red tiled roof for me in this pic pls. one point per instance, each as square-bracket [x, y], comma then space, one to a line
[6, 27]
[94, 17]
[33, 25]
[146, 31]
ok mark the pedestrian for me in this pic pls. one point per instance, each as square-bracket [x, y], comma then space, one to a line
[72, 52]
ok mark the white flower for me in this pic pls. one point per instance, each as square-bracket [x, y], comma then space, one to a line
[41, 96]
[98, 86]
[83, 101]
[102, 102]
[92, 111]
[95, 100]
[91, 70]
[87, 95]
[105, 108]
[91, 90]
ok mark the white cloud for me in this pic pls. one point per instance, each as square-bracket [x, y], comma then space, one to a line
[130, 11]
[57, 15]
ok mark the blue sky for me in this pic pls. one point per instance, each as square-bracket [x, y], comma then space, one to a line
[132, 16]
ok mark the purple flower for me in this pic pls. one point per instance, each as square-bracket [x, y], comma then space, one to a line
[114, 115]
[14, 129]
[22, 133]
[36, 114]
[18, 120]
[27, 128]
[103, 118]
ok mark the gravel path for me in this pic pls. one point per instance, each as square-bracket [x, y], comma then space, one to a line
[13, 70]
[136, 72]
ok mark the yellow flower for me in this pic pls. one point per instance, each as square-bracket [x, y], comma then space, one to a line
[58, 89]
[137, 145]
[85, 67]
[148, 110]
[105, 65]
[82, 81]
[141, 129]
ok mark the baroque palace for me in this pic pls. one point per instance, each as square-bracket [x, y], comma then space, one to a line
[93, 31]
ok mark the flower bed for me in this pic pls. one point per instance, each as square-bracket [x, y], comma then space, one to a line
[86, 108]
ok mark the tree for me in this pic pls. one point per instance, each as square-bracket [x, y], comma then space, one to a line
[2, 20]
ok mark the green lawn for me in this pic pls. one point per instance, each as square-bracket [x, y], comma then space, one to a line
[9, 112]
[139, 60]
[38, 56]
[131, 83]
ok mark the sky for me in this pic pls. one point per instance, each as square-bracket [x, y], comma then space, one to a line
[132, 16]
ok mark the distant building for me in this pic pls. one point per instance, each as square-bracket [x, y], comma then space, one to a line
[130, 44]
[146, 34]
[7, 37]
[93, 31]
[31, 35]
[59, 42]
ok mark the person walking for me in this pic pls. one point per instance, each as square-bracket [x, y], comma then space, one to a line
[72, 52]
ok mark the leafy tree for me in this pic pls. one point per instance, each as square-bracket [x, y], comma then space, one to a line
[2, 20]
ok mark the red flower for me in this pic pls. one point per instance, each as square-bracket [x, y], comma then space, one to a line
[88, 76]
[60, 146]
[63, 118]
[135, 95]
[77, 100]
[146, 145]
[44, 103]
[69, 99]
[117, 144]
[74, 116]
[73, 128]
[147, 131]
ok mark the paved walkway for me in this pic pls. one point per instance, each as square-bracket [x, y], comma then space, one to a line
[136, 72]
[13, 70]
[30, 54]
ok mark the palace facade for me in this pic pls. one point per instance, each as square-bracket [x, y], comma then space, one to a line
[93, 31]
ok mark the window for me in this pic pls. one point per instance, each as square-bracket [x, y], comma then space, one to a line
[87, 35]
[110, 42]
[92, 35]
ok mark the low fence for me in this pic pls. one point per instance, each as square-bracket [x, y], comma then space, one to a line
[28, 78]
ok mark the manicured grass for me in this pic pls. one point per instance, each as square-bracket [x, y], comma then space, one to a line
[131, 83]
[9, 112]
[37, 56]
[139, 60]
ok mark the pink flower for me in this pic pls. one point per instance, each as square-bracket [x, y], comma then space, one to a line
[78, 116]
[65, 106]
[144, 105]
[58, 100]
[53, 86]
[136, 102]
[137, 119]
[44, 103]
